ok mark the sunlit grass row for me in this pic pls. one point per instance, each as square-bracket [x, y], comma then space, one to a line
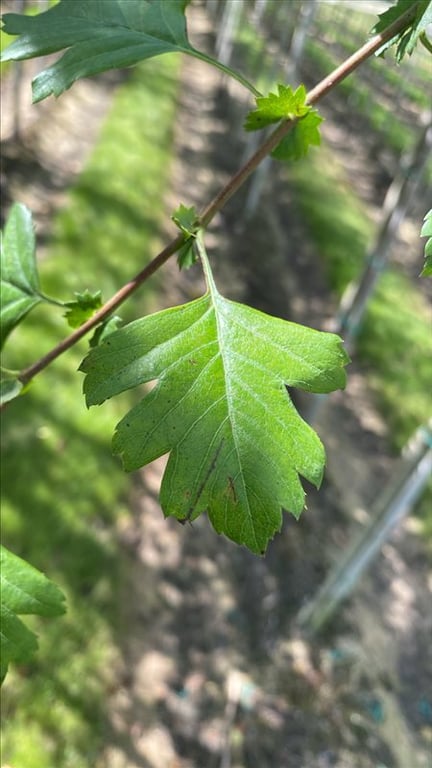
[395, 342]
[63, 492]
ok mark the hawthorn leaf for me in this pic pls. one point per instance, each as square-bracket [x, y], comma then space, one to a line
[104, 329]
[220, 408]
[83, 307]
[406, 40]
[425, 41]
[187, 220]
[303, 134]
[10, 387]
[24, 590]
[15, 305]
[286, 104]
[186, 256]
[19, 277]
[426, 231]
[100, 35]
[17, 643]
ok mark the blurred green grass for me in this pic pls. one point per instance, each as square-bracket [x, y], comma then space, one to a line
[63, 492]
[395, 341]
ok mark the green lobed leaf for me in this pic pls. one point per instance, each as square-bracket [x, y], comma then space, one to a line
[425, 41]
[186, 256]
[304, 133]
[426, 231]
[406, 40]
[19, 277]
[220, 409]
[24, 590]
[187, 220]
[286, 104]
[10, 387]
[105, 329]
[17, 643]
[83, 307]
[100, 35]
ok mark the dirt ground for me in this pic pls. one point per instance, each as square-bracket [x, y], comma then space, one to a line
[215, 671]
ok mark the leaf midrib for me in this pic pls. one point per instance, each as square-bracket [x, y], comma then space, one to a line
[217, 300]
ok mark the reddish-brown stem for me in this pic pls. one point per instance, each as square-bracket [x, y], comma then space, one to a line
[109, 307]
[218, 202]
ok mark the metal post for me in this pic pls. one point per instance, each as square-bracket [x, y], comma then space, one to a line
[394, 503]
[228, 27]
[396, 204]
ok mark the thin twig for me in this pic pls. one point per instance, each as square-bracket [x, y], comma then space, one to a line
[220, 200]
[125, 291]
